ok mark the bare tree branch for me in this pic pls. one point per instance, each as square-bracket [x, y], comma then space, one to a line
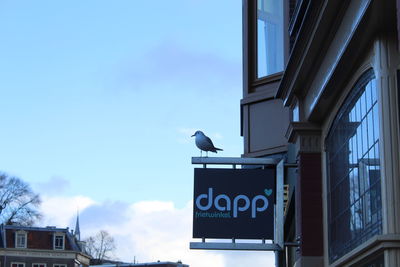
[100, 246]
[18, 203]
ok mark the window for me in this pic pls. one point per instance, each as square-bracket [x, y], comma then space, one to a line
[270, 48]
[38, 264]
[59, 265]
[17, 264]
[354, 180]
[59, 241]
[296, 113]
[20, 239]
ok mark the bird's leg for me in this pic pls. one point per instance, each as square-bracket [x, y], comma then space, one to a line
[206, 154]
[201, 153]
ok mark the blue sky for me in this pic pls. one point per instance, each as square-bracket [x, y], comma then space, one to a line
[104, 94]
[98, 102]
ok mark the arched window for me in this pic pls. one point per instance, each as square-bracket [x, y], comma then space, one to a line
[354, 180]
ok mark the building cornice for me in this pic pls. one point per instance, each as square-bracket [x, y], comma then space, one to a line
[44, 253]
[306, 136]
[301, 128]
[66, 254]
[333, 39]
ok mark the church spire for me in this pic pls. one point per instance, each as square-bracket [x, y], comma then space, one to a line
[77, 230]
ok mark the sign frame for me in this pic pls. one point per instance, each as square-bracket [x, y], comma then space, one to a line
[278, 241]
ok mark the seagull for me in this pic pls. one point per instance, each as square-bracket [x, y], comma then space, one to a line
[204, 143]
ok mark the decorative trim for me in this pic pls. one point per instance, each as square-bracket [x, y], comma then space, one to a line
[306, 136]
[300, 128]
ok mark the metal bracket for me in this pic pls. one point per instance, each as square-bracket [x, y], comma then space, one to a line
[280, 172]
[235, 246]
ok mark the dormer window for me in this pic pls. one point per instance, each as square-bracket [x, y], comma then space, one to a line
[59, 241]
[20, 239]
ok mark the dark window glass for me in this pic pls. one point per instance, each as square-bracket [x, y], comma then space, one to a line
[59, 242]
[354, 187]
[377, 262]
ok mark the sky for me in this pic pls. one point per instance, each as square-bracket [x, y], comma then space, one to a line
[99, 100]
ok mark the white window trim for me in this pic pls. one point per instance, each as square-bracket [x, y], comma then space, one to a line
[21, 232]
[54, 241]
[38, 264]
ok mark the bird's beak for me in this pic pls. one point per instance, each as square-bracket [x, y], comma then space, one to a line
[193, 135]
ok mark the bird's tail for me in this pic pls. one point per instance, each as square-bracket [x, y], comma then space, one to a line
[216, 149]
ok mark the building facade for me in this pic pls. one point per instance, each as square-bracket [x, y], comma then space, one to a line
[40, 247]
[321, 86]
[148, 264]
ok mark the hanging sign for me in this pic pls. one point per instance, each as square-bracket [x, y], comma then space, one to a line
[234, 203]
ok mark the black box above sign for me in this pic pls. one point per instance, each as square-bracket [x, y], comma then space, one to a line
[234, 203]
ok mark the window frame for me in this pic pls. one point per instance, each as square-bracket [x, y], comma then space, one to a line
[55, 246]
[25, 236]
[39, 264]
[280, 27]
[251, 81]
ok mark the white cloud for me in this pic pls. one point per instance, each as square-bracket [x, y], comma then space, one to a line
[152, 206]
[59, 211]
[147, 231]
